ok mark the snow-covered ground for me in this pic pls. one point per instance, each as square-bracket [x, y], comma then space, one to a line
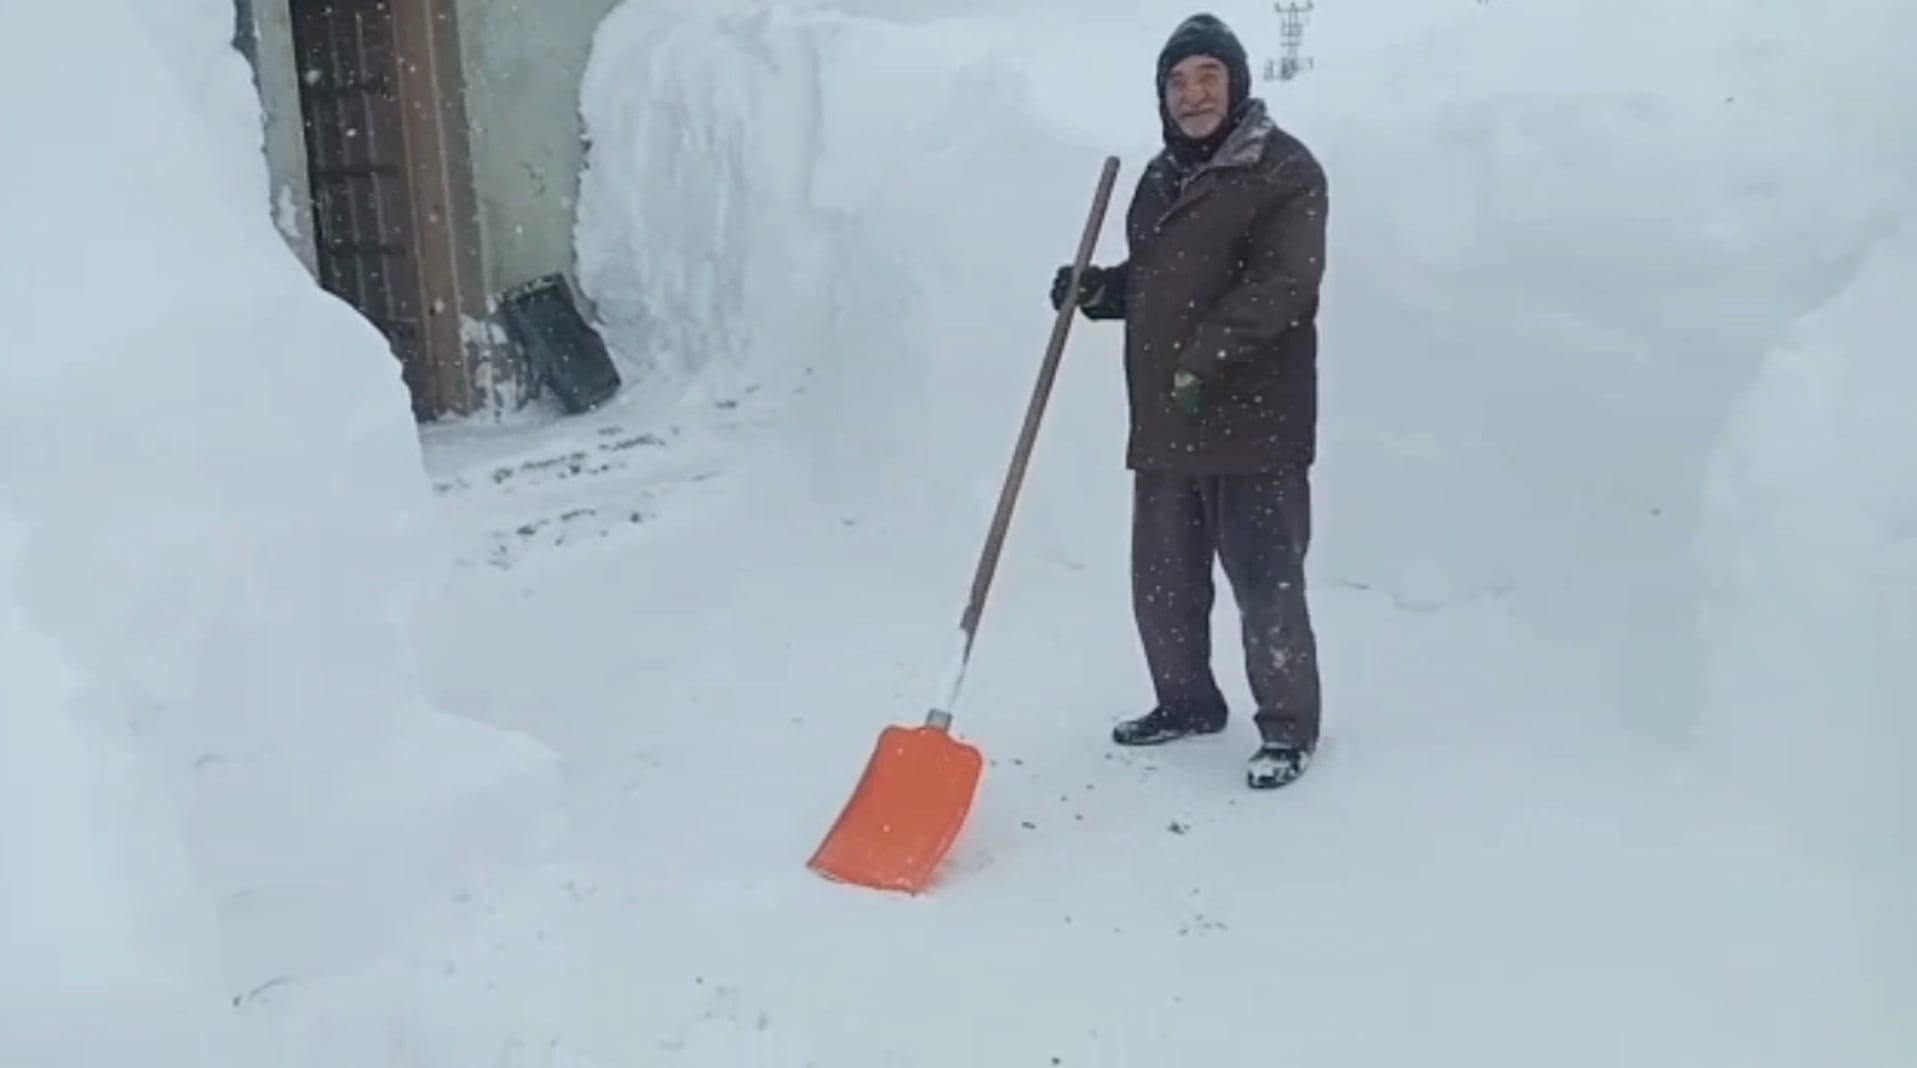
[1615, 571]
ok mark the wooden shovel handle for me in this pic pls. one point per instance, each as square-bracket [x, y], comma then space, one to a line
[1035, 410]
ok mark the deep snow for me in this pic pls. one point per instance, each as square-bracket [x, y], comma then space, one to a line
[223, 766]
[1616, 548]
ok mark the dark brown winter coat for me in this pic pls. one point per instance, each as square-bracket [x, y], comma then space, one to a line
[1222, 280]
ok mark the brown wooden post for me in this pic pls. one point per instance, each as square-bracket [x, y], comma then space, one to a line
[444, 206]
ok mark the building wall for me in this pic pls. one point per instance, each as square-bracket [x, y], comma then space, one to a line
[523, 62]
[263, 33]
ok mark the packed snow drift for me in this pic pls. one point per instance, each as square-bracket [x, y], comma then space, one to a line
[222, 765]
[1809, 548]
[1615, 565]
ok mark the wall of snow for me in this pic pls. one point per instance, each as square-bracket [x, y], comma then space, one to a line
[219, 522]
[847, 222]
[1810, 545]
[108, 950]
[1563, 235]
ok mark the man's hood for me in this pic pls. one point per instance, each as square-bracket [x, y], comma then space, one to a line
[1203, 35]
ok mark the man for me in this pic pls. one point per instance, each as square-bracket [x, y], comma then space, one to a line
[1219, 297]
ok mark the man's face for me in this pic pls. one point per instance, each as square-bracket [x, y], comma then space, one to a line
[1196, 95]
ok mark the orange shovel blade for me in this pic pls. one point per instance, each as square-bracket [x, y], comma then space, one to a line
[905, 813]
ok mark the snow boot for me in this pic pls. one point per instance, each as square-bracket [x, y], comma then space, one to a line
[1163, 724]
[1276, 764]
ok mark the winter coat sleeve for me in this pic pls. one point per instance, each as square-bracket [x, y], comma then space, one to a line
[1109, 302]
[1284, 261]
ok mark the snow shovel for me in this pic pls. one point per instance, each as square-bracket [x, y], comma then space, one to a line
[917, 788]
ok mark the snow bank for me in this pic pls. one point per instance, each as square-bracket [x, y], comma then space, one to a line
[1810, 541]
[223, 524]
[852, 222]
[1552, 269]
[107, 941]
[1566, 233]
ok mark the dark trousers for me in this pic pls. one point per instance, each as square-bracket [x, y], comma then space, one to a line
[1258, 527]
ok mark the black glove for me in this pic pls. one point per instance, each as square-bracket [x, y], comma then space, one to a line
[1090, 284]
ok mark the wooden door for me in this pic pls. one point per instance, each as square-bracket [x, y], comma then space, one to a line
[395, 228]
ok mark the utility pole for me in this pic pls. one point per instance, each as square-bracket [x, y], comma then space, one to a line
[1292, 35]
